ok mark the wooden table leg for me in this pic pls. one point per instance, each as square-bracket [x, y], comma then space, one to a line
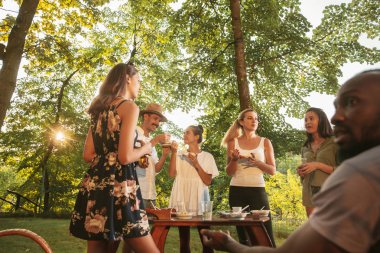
[258, 235]
[205, 249]
[159, 234]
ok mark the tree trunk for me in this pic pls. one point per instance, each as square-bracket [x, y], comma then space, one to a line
[44, 191]
[13, 54]
[240, 67]
[51, 131]
[45, 177]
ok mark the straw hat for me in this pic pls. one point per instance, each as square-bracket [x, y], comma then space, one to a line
[155, 109]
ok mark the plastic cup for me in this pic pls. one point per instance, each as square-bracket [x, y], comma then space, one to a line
[206, 208]
[167, 141]
[236, 209]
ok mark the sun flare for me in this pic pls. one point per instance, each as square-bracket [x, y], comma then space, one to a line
[59, 136]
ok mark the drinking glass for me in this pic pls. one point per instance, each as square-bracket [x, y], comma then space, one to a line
[206, 208]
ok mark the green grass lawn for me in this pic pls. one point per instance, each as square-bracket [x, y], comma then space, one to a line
[55, 232]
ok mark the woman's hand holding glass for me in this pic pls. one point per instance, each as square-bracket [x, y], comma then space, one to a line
[165, 150]
[307, 168]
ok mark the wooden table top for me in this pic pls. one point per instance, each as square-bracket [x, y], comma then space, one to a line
[216, 220]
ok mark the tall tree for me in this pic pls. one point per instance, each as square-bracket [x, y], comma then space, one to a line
[49, 98]
[240, 67]
[12, 55]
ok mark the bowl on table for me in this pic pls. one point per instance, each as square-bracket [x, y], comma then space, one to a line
[238, 215]
[260, 213]
[233, 215]
[183, 215]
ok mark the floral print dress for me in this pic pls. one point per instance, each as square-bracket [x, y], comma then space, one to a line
[108, 205]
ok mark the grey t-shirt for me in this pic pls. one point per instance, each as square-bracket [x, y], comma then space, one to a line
[348, 206]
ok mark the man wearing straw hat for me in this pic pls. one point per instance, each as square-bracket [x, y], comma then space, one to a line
[146, 170]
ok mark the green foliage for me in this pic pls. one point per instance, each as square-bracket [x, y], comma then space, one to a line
[185, 57]
[285, 194]
[9, 179]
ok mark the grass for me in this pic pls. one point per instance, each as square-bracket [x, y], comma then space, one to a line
[55, 232]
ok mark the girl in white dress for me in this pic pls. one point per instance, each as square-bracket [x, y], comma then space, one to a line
[193, 171]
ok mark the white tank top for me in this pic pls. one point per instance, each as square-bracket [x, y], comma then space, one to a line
[246, 175]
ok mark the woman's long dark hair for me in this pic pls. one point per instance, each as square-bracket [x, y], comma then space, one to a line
[324, 127]
[114, 85]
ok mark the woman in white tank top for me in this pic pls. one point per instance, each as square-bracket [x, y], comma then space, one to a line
[249, 157]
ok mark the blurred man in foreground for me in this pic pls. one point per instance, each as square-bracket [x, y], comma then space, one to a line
[347, 214]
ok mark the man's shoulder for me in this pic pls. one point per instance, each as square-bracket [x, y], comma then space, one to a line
[372, 152]
[364, 165]
[367, 158]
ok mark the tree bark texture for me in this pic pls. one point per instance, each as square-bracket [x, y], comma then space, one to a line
[45, 176]
[240, 66]
[13, 54]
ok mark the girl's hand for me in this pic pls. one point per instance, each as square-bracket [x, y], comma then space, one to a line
[193, 159]
[174, 147]
[235, 154]
[165, 150]
[253, 162]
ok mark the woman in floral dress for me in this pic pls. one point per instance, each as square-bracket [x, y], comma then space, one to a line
[109, 204]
